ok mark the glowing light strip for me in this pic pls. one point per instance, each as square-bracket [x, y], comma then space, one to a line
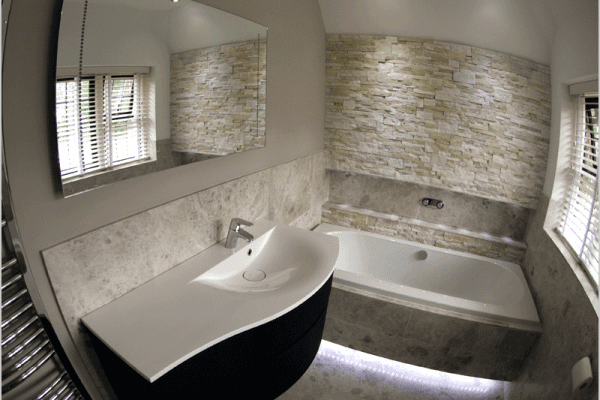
[410, 378]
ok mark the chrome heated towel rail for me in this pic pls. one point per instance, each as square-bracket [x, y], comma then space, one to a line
[31, 366]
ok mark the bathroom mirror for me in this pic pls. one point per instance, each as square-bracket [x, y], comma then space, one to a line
[147, 85]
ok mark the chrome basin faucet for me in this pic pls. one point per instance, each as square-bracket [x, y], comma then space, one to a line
[235, 232]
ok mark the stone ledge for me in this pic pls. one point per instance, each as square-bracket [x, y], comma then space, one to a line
[438, 235]
[413, 180]
[392, 196]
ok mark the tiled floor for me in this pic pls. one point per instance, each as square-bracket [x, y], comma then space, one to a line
[340, 373]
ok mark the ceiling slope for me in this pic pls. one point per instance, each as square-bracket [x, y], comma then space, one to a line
[523, 28]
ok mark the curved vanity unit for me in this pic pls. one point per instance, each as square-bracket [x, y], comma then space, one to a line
[225, 322]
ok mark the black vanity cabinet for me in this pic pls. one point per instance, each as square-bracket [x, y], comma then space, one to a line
[262, 362]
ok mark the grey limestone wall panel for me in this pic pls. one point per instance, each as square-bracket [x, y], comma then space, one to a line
[570, 322]
[427, 338]
[460, 210]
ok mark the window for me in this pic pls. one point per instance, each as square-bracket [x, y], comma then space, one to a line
[101, 124]
[581, 223]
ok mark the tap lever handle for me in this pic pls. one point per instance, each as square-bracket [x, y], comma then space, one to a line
[427, 202]
[236, 222]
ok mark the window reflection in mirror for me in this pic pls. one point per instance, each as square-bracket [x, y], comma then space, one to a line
[160, 84]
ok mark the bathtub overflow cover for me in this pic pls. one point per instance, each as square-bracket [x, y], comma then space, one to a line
[254, 275]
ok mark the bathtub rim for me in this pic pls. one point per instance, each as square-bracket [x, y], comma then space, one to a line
[345, 280]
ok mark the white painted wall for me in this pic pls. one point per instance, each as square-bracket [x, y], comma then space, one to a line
[508, 26]
[196, 26]
[119, 36]
[574, 58]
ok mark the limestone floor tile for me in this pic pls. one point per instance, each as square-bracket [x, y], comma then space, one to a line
[341, 373]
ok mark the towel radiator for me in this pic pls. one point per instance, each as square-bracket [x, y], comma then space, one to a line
[31, 354]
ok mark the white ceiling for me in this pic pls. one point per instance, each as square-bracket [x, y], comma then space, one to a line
[195, 26]
[143, 4]
[524, 28]
[184, 25]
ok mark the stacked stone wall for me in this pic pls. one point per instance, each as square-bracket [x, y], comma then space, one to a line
[214, 98]
[440, 114]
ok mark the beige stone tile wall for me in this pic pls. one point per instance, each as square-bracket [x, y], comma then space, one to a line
[450, 116]
[96, 268]
[214, 98]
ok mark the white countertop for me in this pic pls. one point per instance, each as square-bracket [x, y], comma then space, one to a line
[171, 318]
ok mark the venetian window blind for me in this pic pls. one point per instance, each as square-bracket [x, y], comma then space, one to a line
[101, 122]
[580, 224]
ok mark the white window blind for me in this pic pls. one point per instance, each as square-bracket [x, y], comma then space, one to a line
[101, 122]
[581, 222]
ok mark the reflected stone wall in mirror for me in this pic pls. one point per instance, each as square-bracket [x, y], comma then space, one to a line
[205, 82]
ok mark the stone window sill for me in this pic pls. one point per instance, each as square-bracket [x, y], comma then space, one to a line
[96, 179]
[589, 286]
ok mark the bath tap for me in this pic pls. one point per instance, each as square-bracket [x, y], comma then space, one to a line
[433, 203]
[235, 232]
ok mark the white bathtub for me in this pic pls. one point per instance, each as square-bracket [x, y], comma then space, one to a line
[427, 275]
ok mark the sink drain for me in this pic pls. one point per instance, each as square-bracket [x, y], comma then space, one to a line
[254, 275]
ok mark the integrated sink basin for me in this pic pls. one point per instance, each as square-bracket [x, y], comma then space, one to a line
[222, 315]
[281, 258]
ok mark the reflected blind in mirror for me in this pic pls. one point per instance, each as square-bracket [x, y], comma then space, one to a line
[101, 122]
